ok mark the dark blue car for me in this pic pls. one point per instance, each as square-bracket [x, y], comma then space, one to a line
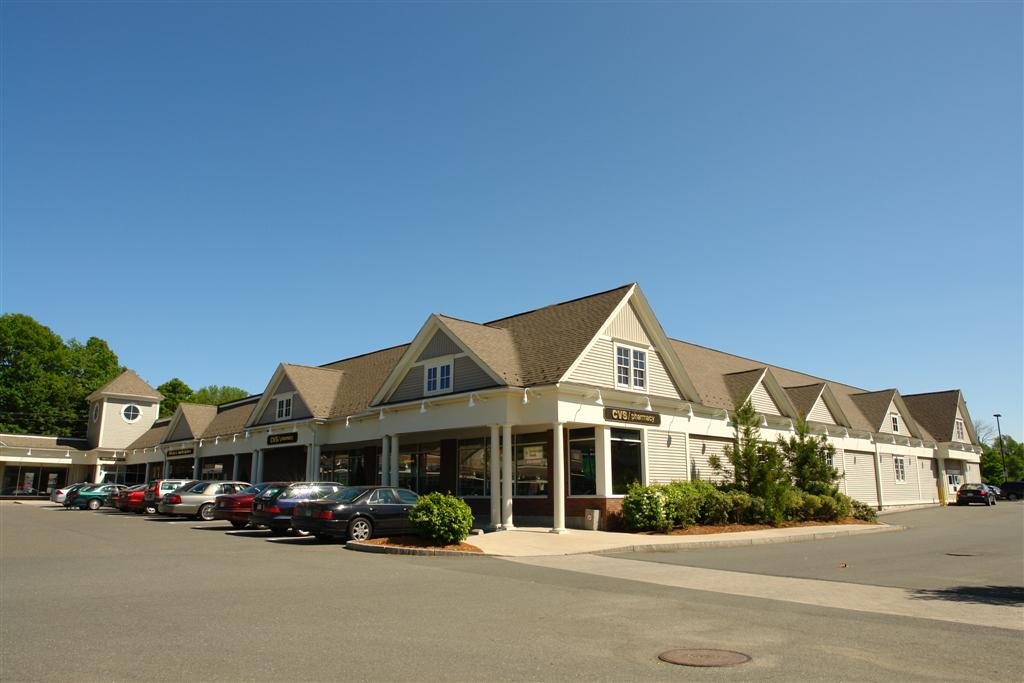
[273, 506]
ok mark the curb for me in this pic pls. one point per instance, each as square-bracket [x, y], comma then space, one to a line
[398, 550]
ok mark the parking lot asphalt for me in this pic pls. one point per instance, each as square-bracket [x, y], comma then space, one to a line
[112, 596]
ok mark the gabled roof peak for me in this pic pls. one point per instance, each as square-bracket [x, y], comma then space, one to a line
[128, 383]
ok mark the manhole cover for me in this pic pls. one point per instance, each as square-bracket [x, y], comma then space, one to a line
[704, 657]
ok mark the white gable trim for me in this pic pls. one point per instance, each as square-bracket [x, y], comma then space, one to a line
[659, 340]
[832, 403]
[408, 360]
[269, 394]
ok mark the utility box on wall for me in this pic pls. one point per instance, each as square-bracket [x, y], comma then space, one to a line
[591, 520]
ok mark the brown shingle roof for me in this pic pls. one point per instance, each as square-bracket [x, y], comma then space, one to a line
[127, 384]
[550, 339]
[197, 416]
[740, 384]
[362, 376]
[153, 437]
[935, 412]
[873, 405]
[317, 387]
[494, 346]
[804, 397]
[44, 442]
[231, 419]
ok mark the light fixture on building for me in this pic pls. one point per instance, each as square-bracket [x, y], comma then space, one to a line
[423, 405]
[472, 402]
[647, 403]
[247, 433]
[29, 452]
[526, 398]
[764, 421]
[67, 454]
[381, 416]
[347, 425]
[599, 401]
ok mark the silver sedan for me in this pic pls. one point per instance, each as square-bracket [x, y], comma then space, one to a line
[198, 500]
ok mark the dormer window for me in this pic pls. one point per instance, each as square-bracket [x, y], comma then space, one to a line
[895, 422]
[960, 431]
[630, 368]
[437, 378]
[284, 408]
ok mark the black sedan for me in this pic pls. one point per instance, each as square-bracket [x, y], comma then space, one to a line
[356, 513]
[975, 493]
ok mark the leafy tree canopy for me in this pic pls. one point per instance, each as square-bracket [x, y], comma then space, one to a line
[215, 394]
[175, 391]
[44, 381]
[992, 461]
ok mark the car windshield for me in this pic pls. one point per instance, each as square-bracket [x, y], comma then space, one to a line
[271, 491]
[348, 495]
[199, 488]
[300, 491]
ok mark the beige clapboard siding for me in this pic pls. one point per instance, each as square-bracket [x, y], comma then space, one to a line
[299, 409]
[467, 375]
[763, 402]
[972, 473]
[666, 457]
[893, 492]
[116, 432]
[860, 476]
[626, 326]
[411, 386]
[597, 368]
[820, 413]
[701, 447]
[928, 472]
[439, 345]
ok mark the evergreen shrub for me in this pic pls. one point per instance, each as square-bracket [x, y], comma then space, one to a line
[444, 519]
[643, 509]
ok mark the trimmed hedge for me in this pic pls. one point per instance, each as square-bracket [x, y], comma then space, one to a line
[444, 519]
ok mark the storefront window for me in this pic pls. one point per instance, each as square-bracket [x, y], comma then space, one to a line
[627, 459]
[531, 464]
[474, 463]
[582, 462]
[419, 467]
[347, 468]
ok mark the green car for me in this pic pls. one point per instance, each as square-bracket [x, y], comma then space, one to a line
[94, 497]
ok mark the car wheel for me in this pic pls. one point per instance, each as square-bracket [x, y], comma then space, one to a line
[94, 504]
[150, 510]
[239, 525]
[1011, 496]
[206, 512]
[360, 529]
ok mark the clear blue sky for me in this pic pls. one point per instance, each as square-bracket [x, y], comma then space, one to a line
[217, 187]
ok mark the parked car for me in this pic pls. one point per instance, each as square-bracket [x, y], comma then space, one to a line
[237, 507]
[69, 499]
[133, 500]
[158, 488]
[197, 500]
[1013, 490]
[996, 491]
[94, 497]
[273, 507]
[356, 512]
[975, 493]
[60, 494]
[117, 499]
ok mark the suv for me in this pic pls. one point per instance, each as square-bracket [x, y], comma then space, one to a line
[158, 488]
[1012, 490]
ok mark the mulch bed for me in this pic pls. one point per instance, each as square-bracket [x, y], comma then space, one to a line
[417, 542]
[698, 530]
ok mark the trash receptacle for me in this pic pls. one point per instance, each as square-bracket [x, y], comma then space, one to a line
[591, 520]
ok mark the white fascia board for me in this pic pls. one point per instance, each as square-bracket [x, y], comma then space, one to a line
[267, 397]
[413, 351]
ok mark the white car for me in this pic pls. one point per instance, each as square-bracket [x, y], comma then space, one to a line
[60, 494]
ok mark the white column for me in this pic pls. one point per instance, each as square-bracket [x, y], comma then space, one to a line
[558, 470]
[313, 462]
[495, 479]
[394, 460]
[234, 468]
[195, 463]
[257, 465]
[506, 478]
[878, 475]
[604, 461]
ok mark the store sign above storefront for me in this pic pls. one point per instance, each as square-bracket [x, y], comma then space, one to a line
[180, 451]
[640, 417]
[274, 439]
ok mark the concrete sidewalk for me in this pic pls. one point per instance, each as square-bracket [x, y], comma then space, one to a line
[533, 542]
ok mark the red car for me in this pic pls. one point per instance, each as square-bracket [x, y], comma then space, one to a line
[118, 499]
[237, 507]
[133, 500]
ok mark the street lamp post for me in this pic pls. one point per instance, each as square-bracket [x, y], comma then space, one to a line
[1006, 475]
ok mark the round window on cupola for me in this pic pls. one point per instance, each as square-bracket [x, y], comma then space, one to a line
[131, 413]
[95, 411]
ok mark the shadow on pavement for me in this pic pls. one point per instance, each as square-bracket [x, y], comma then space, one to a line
[985, 595]
[214, 528]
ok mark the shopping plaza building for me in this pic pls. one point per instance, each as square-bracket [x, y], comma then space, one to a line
[532, 419]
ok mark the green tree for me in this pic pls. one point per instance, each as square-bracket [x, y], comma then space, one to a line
[992, 461]
[758, 468]
[214, 395]
[44, 382]
[175, 391]
[808, 457]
